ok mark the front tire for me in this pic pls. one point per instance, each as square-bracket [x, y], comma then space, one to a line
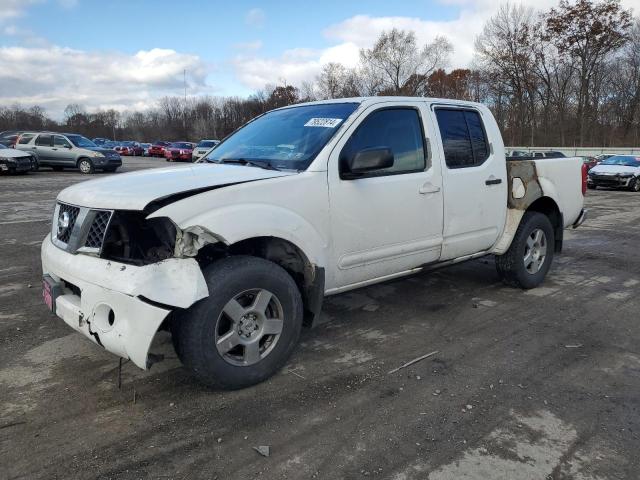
[246, 329]
[86, 166]
[526, 263]
[634, 186]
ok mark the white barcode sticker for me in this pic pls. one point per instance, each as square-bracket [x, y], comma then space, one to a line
[323, 122]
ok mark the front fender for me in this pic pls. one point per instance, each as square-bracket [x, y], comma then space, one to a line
[233, 223]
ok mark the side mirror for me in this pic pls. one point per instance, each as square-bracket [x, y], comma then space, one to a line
[365, 161]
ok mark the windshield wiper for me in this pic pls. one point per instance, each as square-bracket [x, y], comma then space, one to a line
[251, 163]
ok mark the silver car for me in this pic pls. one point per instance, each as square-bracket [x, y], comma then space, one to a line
[202, 148]
[68, 150]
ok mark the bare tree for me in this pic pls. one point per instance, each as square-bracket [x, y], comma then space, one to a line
[588, 32]
[401, 64]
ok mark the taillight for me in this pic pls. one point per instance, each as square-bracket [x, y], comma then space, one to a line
[584, 179]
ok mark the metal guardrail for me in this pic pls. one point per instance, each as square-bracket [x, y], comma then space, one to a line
[581, 151]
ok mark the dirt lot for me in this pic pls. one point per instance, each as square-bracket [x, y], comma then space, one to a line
[526, 385]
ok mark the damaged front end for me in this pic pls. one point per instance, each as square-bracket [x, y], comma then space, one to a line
[117, 276]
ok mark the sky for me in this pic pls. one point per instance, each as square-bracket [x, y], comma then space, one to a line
[128, 54]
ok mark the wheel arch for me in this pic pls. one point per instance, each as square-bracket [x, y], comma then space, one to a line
[548, 206]
[308, 276]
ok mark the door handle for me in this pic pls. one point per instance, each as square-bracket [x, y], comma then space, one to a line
[493, 181]
[54, 148]
[428, 188]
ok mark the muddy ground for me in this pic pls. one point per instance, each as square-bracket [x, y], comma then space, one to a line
[526, 385]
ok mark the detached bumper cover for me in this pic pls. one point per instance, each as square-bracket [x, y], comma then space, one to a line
[613, 181]
[130, 292]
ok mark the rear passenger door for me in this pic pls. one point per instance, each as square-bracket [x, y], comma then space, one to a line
[475, 180]
[43, 148]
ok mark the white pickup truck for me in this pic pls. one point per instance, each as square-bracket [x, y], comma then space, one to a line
[235, 253]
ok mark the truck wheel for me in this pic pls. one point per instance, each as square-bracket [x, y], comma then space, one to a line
[246, 329]
[85, 165]
[529, 257]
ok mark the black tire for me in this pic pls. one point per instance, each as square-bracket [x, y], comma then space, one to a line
[86, 166]
[196, 329]
[511, 265]
[591, 187]
[57, 169]
[634, 185]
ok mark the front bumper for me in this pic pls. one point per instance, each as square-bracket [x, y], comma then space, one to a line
[17, 166]
[613, 181]
[118, 306]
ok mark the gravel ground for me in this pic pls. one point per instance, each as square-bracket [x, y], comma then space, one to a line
[525, 385]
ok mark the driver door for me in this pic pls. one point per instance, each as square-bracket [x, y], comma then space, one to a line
[386, 222]
[61, 153]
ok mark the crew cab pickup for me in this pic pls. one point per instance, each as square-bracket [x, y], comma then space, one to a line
[235, 253]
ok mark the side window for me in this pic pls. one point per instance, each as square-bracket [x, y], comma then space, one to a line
[44, 140]
[396, 128]
[60, 141]
[463, 137]
[25, 138]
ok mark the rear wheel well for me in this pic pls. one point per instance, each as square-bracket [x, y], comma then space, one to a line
[308, 277]
[549, 207]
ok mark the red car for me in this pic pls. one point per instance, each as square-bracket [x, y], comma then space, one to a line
[179, 152]
[157, 149]
[124, 150]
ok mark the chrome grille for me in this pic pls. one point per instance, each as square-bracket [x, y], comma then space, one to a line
[98, 229]
[79, 229]
[67, 216]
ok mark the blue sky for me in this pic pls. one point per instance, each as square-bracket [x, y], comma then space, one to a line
[123, 54]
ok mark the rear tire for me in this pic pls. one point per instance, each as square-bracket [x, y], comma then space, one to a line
[526, 263]
[246, 329]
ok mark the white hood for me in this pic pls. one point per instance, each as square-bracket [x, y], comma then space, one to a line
[12, 153]
[135, 190]
[614, 169]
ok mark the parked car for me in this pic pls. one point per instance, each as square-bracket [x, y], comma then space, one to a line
[590, 162]
[8, 137]
[15, 161]
[603, 156]
[123, 150]
[157, 148]
[178, 152]
[135, 149]
[111, 144]
[145, 149]
[68, 150]
[617, 171]
[202, 148]
[100, 141]
[235, 253]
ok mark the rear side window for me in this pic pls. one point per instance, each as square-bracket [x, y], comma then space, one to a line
[463, 137]
[44, 140]
[396, 128]
[26, 138]
[60, 141]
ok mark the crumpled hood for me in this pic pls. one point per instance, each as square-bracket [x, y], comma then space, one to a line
[135, 190]
[622, 169]
[11, 153]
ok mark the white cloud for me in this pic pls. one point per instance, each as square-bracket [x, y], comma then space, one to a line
[54, 76]
[255, 17]
[361, 31]
[14, 8]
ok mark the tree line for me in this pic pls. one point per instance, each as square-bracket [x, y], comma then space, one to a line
[568, 76]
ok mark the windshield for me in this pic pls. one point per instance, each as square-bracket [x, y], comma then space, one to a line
[289, 138]
[207, 144]
[181, 145]
[625, 160]
[80, 141]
